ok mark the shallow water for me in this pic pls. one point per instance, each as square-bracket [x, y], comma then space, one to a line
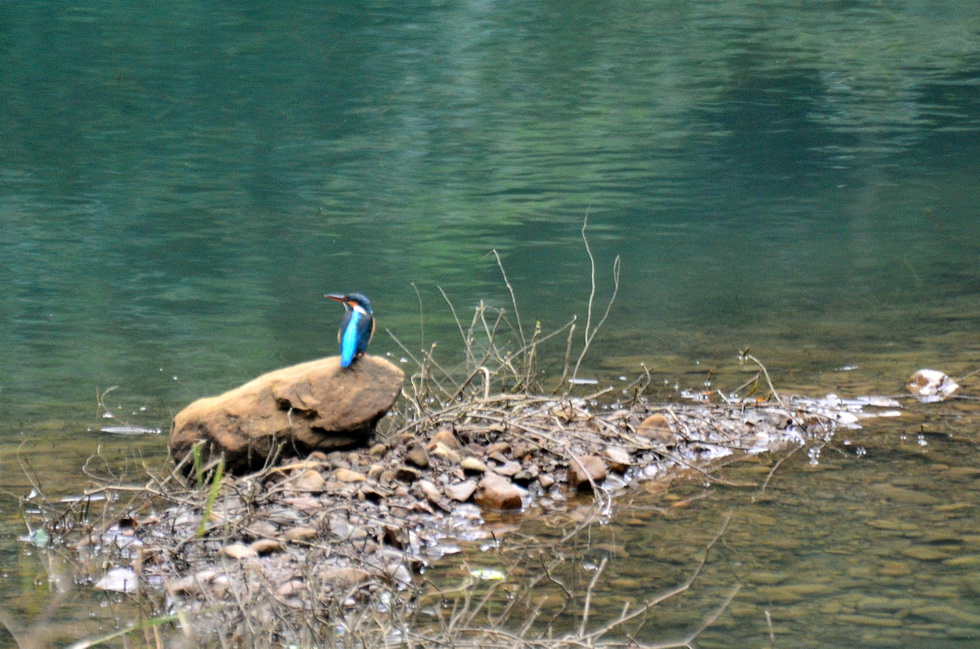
[869, 541]
[179, 187]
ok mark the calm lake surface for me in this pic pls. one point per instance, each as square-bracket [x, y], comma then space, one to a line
[180, 184]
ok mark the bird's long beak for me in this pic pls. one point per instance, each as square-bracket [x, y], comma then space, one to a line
[339, 298]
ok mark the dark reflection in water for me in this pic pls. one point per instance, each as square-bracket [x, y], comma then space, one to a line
[180, 184]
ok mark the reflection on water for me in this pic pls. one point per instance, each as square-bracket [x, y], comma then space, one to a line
[179, 186]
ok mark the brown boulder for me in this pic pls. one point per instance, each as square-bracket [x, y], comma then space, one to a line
[293, 411]
[585, 471]
[497, 492]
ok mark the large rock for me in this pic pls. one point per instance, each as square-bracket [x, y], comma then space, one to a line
[295, 410]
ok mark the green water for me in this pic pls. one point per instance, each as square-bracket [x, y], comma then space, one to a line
[180, 184]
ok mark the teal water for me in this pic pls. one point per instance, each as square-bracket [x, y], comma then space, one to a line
[180, 184]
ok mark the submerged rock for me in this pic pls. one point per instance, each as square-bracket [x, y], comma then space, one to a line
[932, 385]
[293, 411]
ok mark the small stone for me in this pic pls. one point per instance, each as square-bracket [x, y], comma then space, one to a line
[508, 469]
[618, 458]
[443, 451]
[406, 474]
[430, 491]
[497, 492]
[932, 385]
[547, 481]
[473, 465]
[260, 529]
[461, 491]
[446, 437]
[344, 577]
[378, 450]
[585, 470]
[191, 584]
[520, 451]
[373, 491]
[310, 481]
[299, 533]
[239, 551]
[346, 475]
[655, 421]
[291, 587]
[375, 471]
[498, 447]
[417, 456]
[526, 476]
[266, 546]
[657, 428]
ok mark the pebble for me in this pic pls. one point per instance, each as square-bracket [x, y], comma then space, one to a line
[657, 428]
[448, 454]
[508, 469]
[527, 475]
[497, 492]
[343, 577]
[430, 491]
[378, 450]
[262, 529]
[586, 470]
[473, 465]
[239, 551]
[375, 471]
[309, 480]
[618, 458]
[299, 533]
[347, 475]
[445, 437]
[291, 587]
[501, 448]
[406, 474]
[417, 456]
[266, 546]
[191, 584]
[461, 491]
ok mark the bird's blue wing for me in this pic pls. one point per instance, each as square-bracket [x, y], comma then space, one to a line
[348, 340]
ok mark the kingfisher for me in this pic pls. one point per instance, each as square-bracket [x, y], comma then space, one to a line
[356, 327]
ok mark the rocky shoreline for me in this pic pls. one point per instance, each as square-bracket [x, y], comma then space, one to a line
[341, 525]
